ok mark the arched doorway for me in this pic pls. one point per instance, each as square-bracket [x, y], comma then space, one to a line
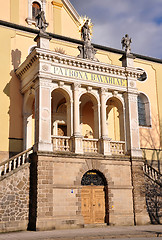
[94, 198]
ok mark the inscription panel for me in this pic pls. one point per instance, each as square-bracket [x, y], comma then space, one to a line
[88, 76]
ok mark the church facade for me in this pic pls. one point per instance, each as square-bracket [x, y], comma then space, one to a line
[81, 118]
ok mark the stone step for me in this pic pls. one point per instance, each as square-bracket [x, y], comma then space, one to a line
[95, 225]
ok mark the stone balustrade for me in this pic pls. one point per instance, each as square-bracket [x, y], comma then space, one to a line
[14, 162]
[117, 147]
[90, 145]
[61, 143]
[64, 143]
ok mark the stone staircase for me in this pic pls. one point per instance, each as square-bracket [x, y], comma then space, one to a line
[153, 193]
[15, 162]
[153, 174]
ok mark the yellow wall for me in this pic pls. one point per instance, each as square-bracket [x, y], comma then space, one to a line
[18, 44]
[5, 10]
[5, 87]
[150, 136]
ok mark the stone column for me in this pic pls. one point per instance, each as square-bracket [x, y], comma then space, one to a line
[77, 138]
[104, 129]
[69, 118]
[105, 141]
[96, 121]
[42, 116]
[27, 131]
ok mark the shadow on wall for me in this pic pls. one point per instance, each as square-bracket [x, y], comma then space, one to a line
[12, 90]
[154, 201]
[150, 144]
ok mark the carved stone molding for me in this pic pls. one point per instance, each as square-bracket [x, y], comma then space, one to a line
[76, 62]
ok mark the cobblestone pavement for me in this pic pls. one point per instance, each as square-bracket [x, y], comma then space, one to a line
[108, 232]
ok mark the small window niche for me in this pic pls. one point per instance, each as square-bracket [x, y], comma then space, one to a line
[33, 8]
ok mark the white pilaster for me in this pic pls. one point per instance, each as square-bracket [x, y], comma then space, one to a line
[131, 124]
[42, 116]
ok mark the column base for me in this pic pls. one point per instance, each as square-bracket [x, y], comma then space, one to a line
[105, 146]
[77, 144]
[136, 153]
[41, 146]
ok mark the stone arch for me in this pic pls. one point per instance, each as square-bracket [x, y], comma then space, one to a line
[64, 91]
[92, 95]
[95, 165]
[89, 115]
[61, 120]
[28, 119]
[92, 164]
[115, 118]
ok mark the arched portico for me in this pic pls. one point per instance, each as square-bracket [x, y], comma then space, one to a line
[61, 119]
[115, 119]
[89, 116]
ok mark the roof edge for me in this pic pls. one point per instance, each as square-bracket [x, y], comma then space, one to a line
[68, 39]
[71, 9]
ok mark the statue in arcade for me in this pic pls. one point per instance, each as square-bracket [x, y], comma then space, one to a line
[126, 42]
[41, 22]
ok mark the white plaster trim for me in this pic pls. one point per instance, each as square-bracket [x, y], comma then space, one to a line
[64, 90]
[29, 50]
[71, 9]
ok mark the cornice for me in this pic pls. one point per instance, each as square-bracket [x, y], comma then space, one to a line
[71, 9]
[70, 61]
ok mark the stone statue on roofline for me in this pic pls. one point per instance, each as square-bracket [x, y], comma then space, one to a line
[41, 22]
[87, 51]
[126, 42]
[85, 32]
[42, 38]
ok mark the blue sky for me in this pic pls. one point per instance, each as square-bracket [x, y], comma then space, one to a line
[112, 19]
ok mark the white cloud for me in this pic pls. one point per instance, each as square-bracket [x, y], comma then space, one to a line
[141, 19]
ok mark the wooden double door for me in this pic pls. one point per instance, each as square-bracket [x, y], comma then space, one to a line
[93, 204]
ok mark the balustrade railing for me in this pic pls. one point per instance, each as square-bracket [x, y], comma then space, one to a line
[152, 173]
[61, 143]
[15, 162]
[117, 147]
[64, 143]
[90, 145]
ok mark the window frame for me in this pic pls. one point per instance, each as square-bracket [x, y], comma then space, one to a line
[147, 109]
[42, 4]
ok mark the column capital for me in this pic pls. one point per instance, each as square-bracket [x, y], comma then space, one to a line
[76, 86]
[103, 90]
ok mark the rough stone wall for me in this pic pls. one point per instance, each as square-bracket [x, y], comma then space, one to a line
[141, 215]
[59, 189]
[14, 200]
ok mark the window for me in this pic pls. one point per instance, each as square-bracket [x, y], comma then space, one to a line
[35, 9]
[143, 77]
[144, 117]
